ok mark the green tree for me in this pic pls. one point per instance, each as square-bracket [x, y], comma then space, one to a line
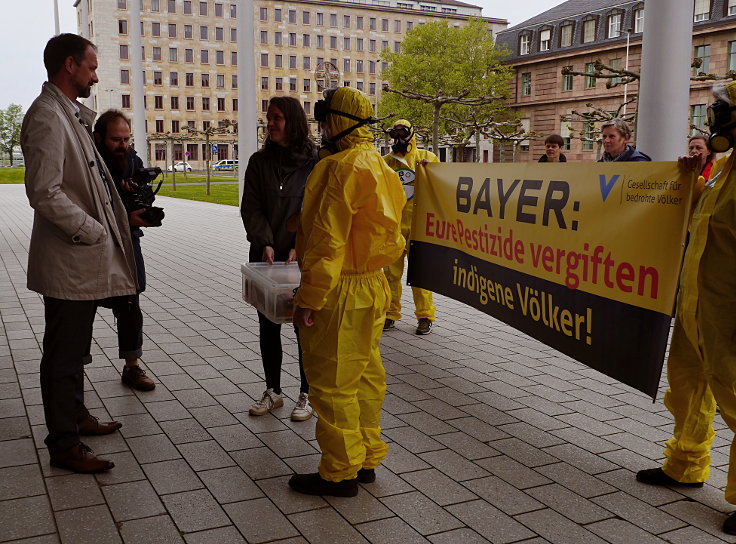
[445, 69]
[11, 119]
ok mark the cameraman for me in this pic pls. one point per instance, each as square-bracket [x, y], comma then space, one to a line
[112, 139]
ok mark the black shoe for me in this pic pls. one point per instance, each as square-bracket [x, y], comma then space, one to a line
[656, 476]
[313, 484]
[389, 325]
[367, 475]
[729, 526]
[424, 326]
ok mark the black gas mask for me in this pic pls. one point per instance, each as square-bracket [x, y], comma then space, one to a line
[720, 123]
[321, 110]
[402, 139]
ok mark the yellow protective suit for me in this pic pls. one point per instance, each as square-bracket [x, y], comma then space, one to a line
[350, 230]
[423, 305]
[701, 368]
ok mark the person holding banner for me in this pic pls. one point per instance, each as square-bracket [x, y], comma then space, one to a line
[697, 146]
[350, 229]
[701, 368]
[616, 134]
[404, 158]
[553, 149]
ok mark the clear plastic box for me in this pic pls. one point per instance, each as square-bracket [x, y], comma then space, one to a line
[270, 288]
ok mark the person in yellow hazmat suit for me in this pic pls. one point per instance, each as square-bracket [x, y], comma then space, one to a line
[404, 158]
[701, 369]
[349, 230]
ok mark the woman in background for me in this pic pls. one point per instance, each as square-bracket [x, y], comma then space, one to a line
[273, 192]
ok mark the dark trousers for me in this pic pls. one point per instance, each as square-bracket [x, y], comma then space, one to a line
[272, 354]
[66, 349]
[129, 322]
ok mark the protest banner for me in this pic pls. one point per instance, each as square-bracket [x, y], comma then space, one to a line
[583, 257]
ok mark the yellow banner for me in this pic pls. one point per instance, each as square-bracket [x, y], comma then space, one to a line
[615, 230]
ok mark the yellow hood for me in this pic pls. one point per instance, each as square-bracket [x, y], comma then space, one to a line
[354, 102]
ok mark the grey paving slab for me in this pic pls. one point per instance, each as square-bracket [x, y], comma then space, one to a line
[493, 436]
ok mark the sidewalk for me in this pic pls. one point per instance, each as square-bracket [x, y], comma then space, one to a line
[494, 437]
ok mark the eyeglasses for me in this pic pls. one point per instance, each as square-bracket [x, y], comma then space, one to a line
[399, 133]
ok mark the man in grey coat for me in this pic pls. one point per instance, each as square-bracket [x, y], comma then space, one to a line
[80, 252]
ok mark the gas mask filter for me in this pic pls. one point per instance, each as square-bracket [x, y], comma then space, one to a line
[719, 121]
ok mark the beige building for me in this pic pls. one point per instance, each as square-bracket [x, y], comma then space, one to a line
[576, 35]
[190, 56]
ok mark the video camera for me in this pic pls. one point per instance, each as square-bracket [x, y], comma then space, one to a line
[142, 195]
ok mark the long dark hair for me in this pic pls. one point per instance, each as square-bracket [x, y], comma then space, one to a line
[296, 127]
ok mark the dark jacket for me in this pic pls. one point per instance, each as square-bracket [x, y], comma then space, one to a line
[544, 158]
[630, 154]
[272, 193]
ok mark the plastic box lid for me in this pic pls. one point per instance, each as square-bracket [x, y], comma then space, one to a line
[273, 276]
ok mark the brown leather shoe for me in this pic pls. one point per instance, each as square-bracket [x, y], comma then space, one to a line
[90, 425]
[80, 458]
[135, 377]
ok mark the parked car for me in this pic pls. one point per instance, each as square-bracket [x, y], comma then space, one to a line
[225, 165]
[181, 166]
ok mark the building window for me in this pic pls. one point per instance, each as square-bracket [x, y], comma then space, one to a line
[372, 23]
[192, 149]
[525, 44]
[158, 102]
[590, 81]
[203, 33]
[233, 11]
[218, 10]
[697, 117]
[219, 34]
[171, 6]
[122, 4]
[264, 60]
[306, 42]
[263, 14]
[125, 101]
[702, 52]
[545, 39]
[219, 57]
[277, 38]
[174, 102]
[306, 63]
[565, 133]
[173, 54]
[158, 78]
[155, 5]
[567, 81]
[588, 135]
[203, 8]
[731, 56]
[346, 65]
[565, 35]
[279, 84]
[220, 104]
[189, 79]
[333, 19]
[639, 20]
[124, 52]
[614, 25]
[174, 79]
[292, 39]
[359, 22]
[307, 85]
[308, 108]
[588, 30]
[189, 55]
[264, 36]
[397, 47]
[292, 16]
[172, 31]
[359, 44]
[233, 58]
[187, 7]
[346, 21]
[155, 30]
[409, 25]
[233, 35]
[188, 32]
[205, 80]
[160, 129]
[320, 19]
[292, 84]
[205, 103]
[526, 84]
[384, 25]
[617, 64]
[702, 10]
[371, 66]
[372, 46]
[278, 61]
[125, 76]
[371, 88]
[264, 106]
[305, 17]
[397, 25]
[731, 7]
[359, 66]
[333, 42]
[204, 56]
[320, 41]
[220, 81]
[235, 104]
[234, 81]
[524, 144]
[122, 26]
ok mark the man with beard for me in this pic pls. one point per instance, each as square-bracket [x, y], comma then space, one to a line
[112, 139]
[80, 252]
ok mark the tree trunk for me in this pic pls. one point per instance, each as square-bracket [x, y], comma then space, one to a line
[436, 129]
[501, 151]
[477, 146]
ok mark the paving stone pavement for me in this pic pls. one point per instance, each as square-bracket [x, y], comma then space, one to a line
[494, 437]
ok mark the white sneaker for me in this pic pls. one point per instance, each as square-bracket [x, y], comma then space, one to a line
[303, 410]
[269, 401]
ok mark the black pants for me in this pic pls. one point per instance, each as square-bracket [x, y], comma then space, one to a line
[129, 323]
[66, 349]
[272, 354]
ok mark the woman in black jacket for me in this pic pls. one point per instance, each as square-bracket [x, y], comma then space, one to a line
[273, 192]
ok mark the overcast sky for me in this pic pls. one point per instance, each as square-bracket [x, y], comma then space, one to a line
[26, 26]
